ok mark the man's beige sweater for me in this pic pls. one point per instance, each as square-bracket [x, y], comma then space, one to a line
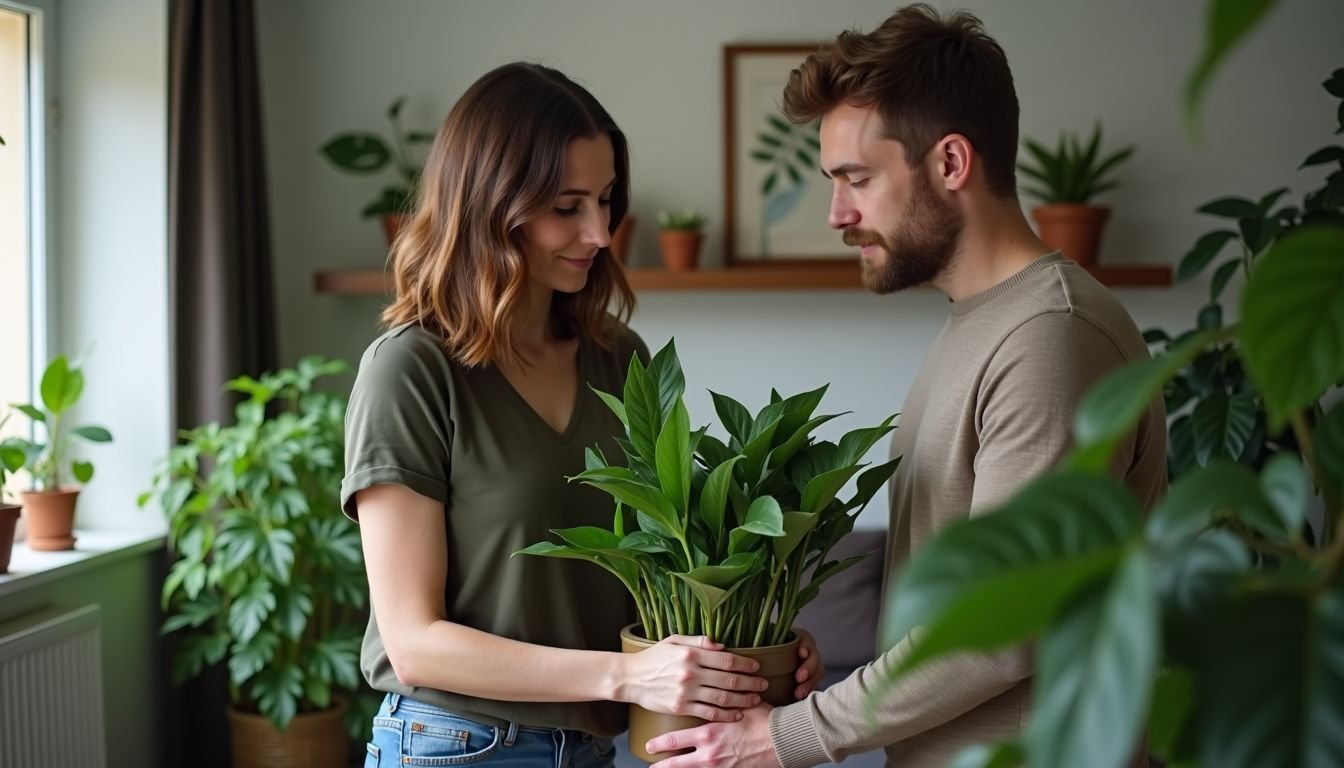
[991, 408]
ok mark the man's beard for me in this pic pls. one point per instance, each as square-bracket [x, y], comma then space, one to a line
[918, 249]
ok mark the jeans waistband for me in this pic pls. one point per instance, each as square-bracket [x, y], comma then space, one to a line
[509, 730]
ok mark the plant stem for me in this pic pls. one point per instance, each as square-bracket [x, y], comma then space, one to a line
[765, 609]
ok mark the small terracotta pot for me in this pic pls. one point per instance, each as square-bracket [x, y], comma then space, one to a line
[312, 739]
[778, 664]
[9, 517]
[51, 518]
[681, 249]
[392, 224]
[1073, 228]
[620, 239]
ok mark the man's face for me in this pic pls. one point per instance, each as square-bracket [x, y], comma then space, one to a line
[907, 233]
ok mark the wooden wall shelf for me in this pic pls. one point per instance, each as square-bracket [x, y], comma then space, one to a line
[838, 276]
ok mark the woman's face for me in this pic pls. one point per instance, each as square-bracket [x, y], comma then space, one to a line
[562, 243]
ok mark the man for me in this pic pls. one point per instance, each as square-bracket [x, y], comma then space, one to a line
[919, 132]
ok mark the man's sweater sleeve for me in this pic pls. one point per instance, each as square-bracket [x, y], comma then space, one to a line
[1026, 401]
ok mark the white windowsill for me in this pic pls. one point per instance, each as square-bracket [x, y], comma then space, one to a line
[92, 548]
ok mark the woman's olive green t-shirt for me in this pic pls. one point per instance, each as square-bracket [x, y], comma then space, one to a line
[466, 438]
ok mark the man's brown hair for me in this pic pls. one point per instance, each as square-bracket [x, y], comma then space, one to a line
[927, 76]
[496, 164]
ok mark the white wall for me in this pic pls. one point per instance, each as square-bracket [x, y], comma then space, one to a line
[110, 256]
[334, 65]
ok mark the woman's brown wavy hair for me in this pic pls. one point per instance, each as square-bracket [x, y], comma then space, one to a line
[496, 164]
[927, 76]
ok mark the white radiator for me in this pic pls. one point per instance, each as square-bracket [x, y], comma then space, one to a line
[51, 690]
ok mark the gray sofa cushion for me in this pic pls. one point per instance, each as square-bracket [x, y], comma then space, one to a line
[843, 617]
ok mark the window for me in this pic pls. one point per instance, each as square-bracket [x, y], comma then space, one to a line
[22, 210]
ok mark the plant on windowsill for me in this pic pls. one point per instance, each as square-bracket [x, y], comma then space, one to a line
[1067, 179]
[728, 539]
[50, 502]
[267, 573]
[11, 461]
[361, 152]
[680, 237]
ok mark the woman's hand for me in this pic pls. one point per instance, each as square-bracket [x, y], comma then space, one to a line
[810, 669]
[691, 676]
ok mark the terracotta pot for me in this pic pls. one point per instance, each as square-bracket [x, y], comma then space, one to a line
[778, 664]
[681, 249]
[1073, 228]
[313, 740]
[620, 239]
[9, 517]
[392, 224]
[51, 518]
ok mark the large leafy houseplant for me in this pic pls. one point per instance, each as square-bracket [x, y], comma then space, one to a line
[1216, 624]
[727, 539]
[267, 572]
[1215, 409]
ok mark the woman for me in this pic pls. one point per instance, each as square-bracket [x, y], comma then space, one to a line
[465, 419]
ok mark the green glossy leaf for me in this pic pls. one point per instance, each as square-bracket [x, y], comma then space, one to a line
[250, 609]
[1221, 277]
[278, 553]
[1323, 156]
[764, 517]
[93, 434]
[31, 412]
[1198, 498]
[82, 471]
[615, 404]
[855, 445]
[1113, 406]
[1270, 679]
[1094, 671]
[1227, 22]
[714, 496]
[871, 481]
[1063, 515]
[821, 490]
[61, 386]
[1288, 489]
[734, 416]
[1223, 425]
[665, 372]
[1008, 607]
[1293, 319]
[293, 606]
[1206, 248]
[629, 490]
[358, 152]
[673, 453]
[1210, 318]
[1230, 208]
[250, 656]
[278, 689]
[642, 410]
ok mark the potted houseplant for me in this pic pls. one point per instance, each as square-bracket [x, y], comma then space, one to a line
[50, 503]
[723, 538]
[1067, 178]
[680, 238]
[362, 152]
[11, 460]
[267, 574]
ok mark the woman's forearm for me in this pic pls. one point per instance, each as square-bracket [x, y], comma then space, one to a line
[456, 658]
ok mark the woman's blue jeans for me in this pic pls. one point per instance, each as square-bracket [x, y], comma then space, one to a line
[410, 732]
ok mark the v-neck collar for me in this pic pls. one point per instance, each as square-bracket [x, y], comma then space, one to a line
[575, 412]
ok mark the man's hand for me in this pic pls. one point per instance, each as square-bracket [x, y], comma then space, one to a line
[810, 669]
[743, 744]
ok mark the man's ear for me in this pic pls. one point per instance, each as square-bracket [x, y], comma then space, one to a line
[955, 157]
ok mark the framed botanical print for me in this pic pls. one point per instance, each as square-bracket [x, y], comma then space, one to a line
[775, 198]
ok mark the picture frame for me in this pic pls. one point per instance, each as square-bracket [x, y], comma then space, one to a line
[775, 201]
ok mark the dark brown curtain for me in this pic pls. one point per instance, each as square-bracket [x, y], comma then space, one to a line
[222, 304]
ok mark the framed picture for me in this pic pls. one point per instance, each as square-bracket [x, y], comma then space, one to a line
[775, 199]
